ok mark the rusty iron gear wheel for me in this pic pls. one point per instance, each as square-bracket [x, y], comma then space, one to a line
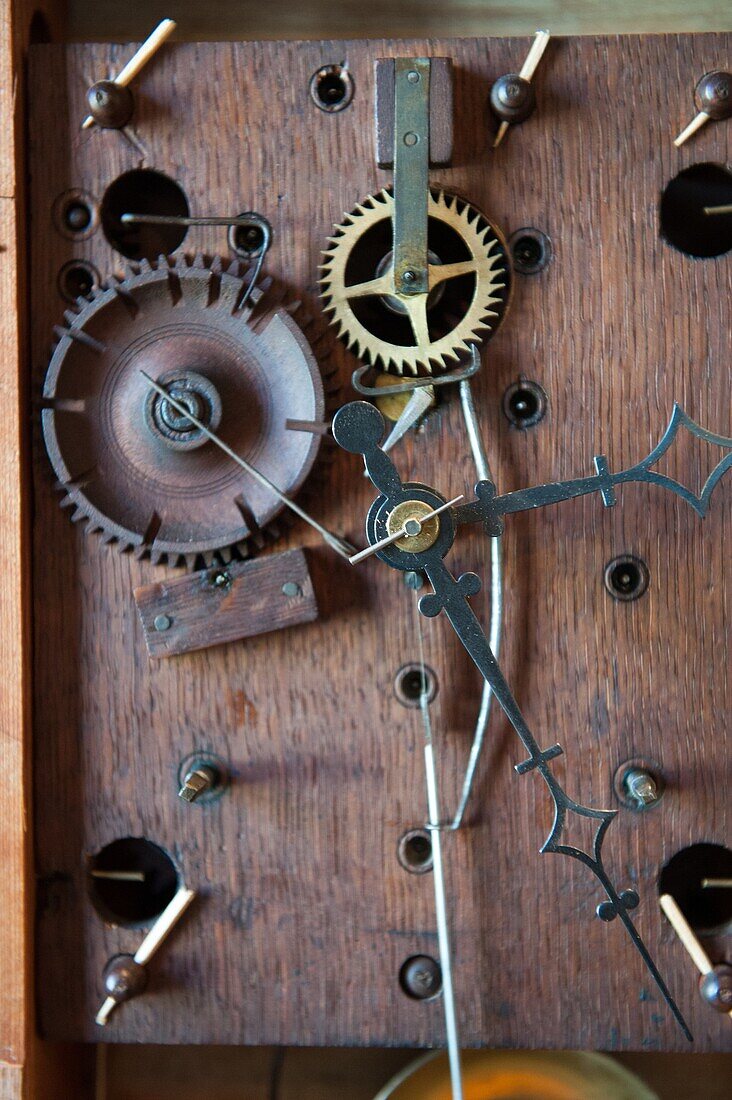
[137, 472]
[468, 281]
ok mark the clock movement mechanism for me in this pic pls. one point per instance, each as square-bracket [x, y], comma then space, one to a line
[131, 465]
[230, 693]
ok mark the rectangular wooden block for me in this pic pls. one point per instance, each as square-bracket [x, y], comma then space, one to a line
[441, 100]
[226, 603]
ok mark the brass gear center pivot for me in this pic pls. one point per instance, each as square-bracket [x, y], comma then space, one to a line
[132, 465]
[468, 281]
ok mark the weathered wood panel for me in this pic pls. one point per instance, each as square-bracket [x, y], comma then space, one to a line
[306, 915]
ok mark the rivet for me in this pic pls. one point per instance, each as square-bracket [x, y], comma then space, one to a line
[410, 138]
[291, 588]
[162, 622]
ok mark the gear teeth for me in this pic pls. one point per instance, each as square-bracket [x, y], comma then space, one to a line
[469, 328]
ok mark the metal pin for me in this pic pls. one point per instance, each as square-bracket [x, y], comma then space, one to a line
[716, 883]
[534, 56]
[139, 59]
[120, 876]
[726, 209]
[443, 929]
[175, 219]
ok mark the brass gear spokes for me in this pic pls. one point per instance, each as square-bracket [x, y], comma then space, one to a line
[468, 285]
[136, 471]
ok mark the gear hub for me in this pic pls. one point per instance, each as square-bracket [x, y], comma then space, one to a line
[135, 468]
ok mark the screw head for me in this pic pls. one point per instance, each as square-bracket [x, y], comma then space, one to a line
[414, 580]
[421, 977]
[162, 622]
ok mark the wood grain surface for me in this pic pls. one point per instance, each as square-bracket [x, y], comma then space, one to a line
[305, 914]
[214, 606]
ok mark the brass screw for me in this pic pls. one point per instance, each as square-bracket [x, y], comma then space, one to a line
[197, 782]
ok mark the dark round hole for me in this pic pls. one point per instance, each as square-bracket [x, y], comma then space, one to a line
[626, 577]
[415, 851]
[708, 909]
[248, 239]
[331, 88]
[531, 251]
[683, 221]
[77, 279]
[412, 681]
[131, 881]
[143, 191]
[524, 403]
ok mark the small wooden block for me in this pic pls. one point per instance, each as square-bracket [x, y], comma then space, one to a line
[441, 98]
[226, 603]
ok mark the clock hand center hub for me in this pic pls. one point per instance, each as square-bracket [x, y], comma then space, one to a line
[191, 391]
[420, 534]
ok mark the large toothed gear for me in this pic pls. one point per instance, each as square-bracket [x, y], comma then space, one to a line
[468, 286]
[128, 464]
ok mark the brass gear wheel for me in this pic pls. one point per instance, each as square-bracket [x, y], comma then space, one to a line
[128, 464]
[468, 281]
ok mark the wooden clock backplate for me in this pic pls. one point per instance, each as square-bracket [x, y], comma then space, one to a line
[305, 915]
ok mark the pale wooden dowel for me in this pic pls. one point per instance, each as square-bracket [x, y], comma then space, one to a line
[149, 47]
[535, 54]
[163, 925]
[694, 125]
[169, 917]
[105, 1011]
[683, 930]
[502, 131]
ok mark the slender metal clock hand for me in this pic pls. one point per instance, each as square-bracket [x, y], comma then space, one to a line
[492, 508]
[358, 427]
[332, 540]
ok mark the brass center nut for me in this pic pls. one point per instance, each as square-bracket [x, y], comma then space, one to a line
[426, 533]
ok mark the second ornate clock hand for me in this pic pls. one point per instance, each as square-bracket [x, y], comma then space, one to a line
[358, 427]
[332, 540]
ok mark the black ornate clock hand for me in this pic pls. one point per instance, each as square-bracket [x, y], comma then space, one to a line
[358, 427]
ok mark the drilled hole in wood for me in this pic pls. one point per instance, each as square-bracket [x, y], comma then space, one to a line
[131, 881]
[415, 851]
[683, 221]
[626, 577]
[707, 908]
[412, 682]
[77, 279]
[143, 191]
[331, 88]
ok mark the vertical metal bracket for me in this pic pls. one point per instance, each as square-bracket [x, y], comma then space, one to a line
[411, 176]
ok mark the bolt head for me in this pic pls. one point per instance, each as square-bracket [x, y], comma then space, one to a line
[421, 977]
